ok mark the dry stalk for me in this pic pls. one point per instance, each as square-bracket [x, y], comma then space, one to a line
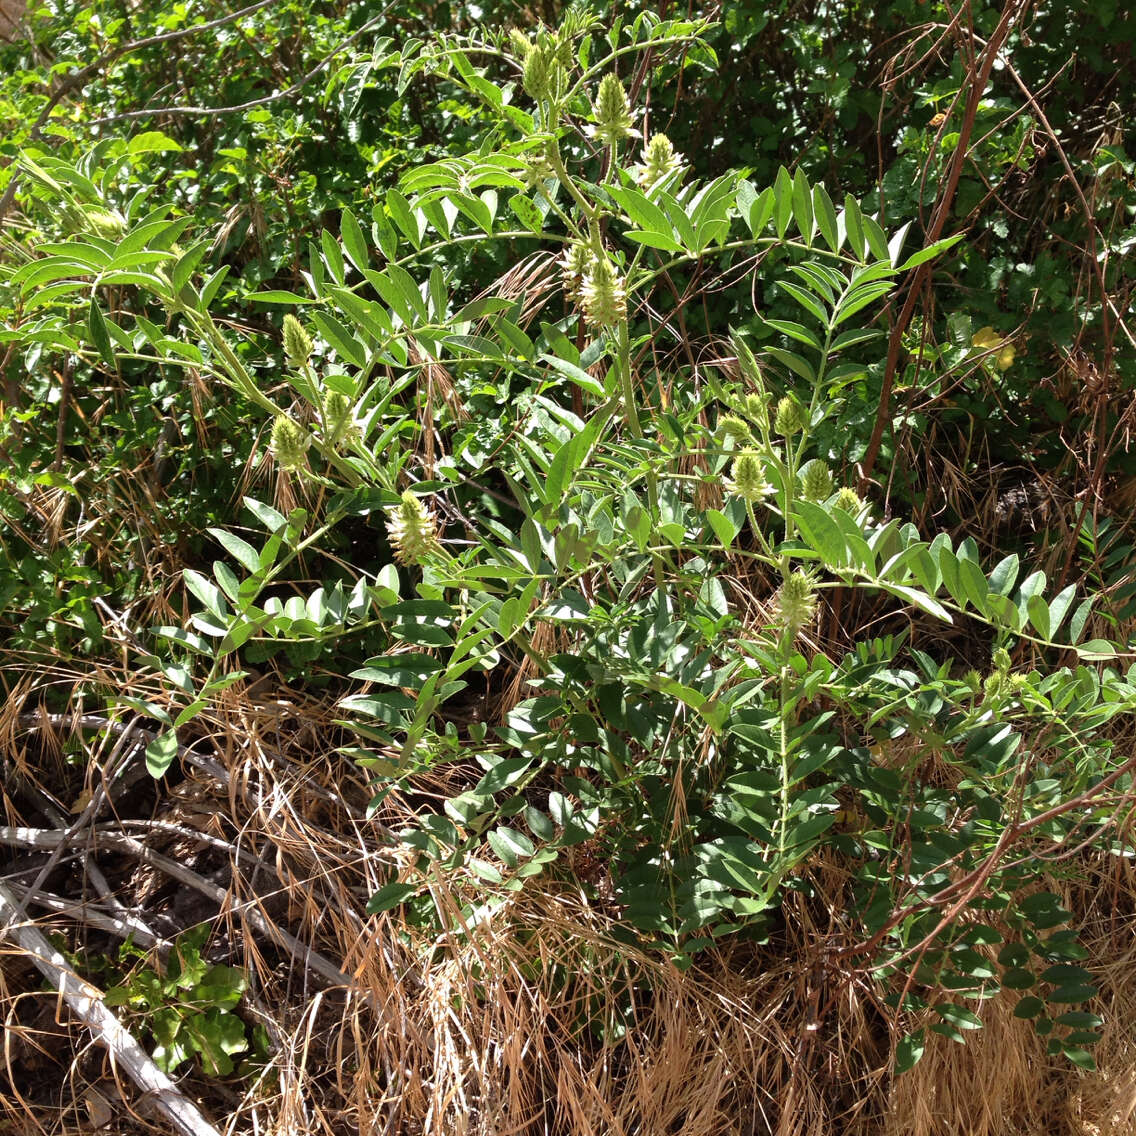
[86, 1002]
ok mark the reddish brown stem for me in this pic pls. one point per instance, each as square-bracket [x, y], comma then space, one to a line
[938, 221]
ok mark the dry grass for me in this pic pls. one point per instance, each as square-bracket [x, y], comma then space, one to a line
[526, 1015]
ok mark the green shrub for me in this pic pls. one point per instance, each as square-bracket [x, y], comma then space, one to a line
[635, 528]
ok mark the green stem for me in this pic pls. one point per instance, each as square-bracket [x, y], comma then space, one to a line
[818, 387]
[242, 381]
[758, 534]
[635, 426]
[623, 362]
[744, 243]
[586, 207]
[785, 710]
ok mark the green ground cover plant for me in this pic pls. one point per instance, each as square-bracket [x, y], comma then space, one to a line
[188, 1005]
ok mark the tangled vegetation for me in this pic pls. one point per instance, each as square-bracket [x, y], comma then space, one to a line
[570, 572]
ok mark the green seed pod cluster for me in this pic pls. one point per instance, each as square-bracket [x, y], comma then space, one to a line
[790, 418]
[412, 529]
[288, 443]
[747, 478]
[659, 161]
[816, 481]
[611, 111]
[849, 501]
[602, 295]
[796, 603]
[297, 342]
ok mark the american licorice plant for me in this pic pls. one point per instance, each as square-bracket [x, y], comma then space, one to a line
[631, 539]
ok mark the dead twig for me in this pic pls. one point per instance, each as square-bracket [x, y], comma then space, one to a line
[311, 959]
[979, 79]
[93, 915]
[86, 1002]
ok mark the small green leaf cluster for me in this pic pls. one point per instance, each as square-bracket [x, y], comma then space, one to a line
[187, 1007]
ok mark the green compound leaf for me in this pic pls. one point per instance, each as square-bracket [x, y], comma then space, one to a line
[389, 896]
[160, 753]
[910, 1051]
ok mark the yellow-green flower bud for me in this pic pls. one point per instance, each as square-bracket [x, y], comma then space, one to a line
[538, 169]
[574, 266]
[796, 603]
[536, 76]
[732, 429]
[790, 417]
[612, 111]
[339, 420]
[520, 43]
[849, 501]
[105, 223]
[757, 407]
[659, 160]
[412, 530]
[816, 481]
[995, 684]
[543, 76]
[565, 55]
[747, 478]
[288, 444]
[602, 294]
[297, 342]
[1000, 657]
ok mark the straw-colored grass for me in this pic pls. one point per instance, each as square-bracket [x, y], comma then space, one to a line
[529, 1017]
